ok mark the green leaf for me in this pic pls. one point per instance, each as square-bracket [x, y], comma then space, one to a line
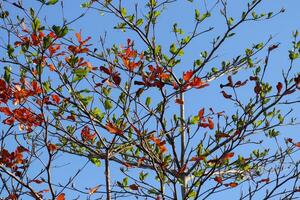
[51, 2]
[36, 24]
[148, 101]
[80, 73]
[123, 12]
[107, 104]
[192, 194]
[10, 51]
[7, 71]
[194, 120]
[197, 15]
[139, 22]
[4, 14]
[86, 4]
[86, 100]
[173, 49]
[98, 114]
[96, 161]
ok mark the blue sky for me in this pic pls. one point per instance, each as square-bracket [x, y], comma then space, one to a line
[182, 12]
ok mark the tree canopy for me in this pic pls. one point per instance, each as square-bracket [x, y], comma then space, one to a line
[165, 102]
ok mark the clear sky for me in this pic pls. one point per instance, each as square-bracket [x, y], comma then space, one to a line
[95, 25]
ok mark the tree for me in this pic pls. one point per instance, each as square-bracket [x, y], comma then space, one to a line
[67, 101]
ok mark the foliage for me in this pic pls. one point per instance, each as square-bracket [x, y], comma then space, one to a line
[126, 108]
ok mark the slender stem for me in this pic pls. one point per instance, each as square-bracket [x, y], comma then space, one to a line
[182, 157]
[107, 176]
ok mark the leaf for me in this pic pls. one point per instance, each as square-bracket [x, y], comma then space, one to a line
[96, 161]
[52, 147]
[198, 158]
[7, 74]
[134, 187]
[210, 124]
[201, 113]
[218, 179]
[108, 105]
[228, 155]
[112, 128]
[279, 87]
[61, 196]
[123, 12]
[94, 189]
[297, 144]
[179, 101]
[225, 95]
[52, 2]
[232, 184]
[148, 101]
[55, 98]
[188, 75]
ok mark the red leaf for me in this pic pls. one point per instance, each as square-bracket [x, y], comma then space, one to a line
[198, 158]
[222, 135]
[133, 187]
[9, 121]
[225, 95]
[265, 180]
[105, 70]
[117, 79]
[5, 110]
[228, 155]
[86, 135]
[210, 124]
[37, 181]
[181, 170]
[218, 179]
[61, 196]
[257, 88]
[279, 87]
[55, 98]
[201, 113]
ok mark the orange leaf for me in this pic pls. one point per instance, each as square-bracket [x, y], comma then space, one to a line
[188, 75]
[297, 144]
[52, 147]
[61, 196]
[198, 158]
[78, 35]
[181, 170]
[179, 101]
[51, 67]
[233, 184]
[112, 128]
[134, 187]
[94, 189]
